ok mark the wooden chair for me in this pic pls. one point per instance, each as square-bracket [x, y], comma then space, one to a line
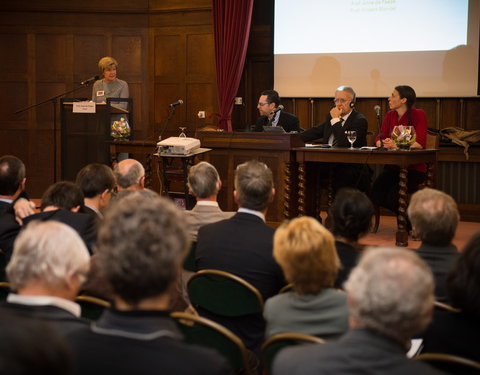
[443, 306]
[224, 294]
[450, 364]
[92, 307]
[276, 343]
[189, 261]
[433, 142]
[286, 288]
[204, 332]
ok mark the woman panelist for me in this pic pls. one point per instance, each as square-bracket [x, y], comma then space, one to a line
[109, 86]
[385, 187]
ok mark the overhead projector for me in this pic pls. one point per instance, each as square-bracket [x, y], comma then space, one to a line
[178, 145]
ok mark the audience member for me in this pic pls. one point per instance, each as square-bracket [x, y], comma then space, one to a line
[97, 182]
[12, 181]
[403, 112]
[204, 183]
[305, 251]
[31, 347]
[390, 297]
[351, 215]
[243, 245]
[272, 115]
[130, 175]
[141, 246]
[341, 118]
[434, 217]
[48, 266]
[63, 202]
[457, 332]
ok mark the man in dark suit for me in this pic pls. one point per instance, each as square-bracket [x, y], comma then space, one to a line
[390, 298]
[243, 245]
[343, 117]
[49, 264]
[141, 245]
[272, 115]
[63, 202]
[434, 217]
[12, 181]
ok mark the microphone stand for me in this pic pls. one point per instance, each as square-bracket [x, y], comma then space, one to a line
[53, 100]
[170, 115]
[381, 148]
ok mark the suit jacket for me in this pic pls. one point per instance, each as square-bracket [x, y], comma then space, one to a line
[359, 351]
[201, 215]
[9, 230]
[356, 121]
[440, 259]
[289, 122]
[348, 258]
[4, 206]
[84, 224]
[140, 342]
[241, 245]
[59, 319]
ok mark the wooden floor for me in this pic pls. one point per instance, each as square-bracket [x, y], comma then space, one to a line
[388, 226]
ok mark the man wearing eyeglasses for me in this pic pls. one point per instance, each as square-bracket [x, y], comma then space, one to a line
[272, 115]
[342, 118]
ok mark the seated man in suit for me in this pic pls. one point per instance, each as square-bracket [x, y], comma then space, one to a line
[343, 117]
[204, 183]
[130, 175]
[390, 297]
[97, 182]
[243, 245]
[141, 246]
[434, 217]
[272, 115]
[48, 266]
[63, 201]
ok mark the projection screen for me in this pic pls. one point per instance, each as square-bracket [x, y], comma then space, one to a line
[375, 45]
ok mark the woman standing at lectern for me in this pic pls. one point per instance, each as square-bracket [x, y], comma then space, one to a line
[109, 86]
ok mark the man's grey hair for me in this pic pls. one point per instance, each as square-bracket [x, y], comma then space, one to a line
[434, 216]
[349, 90]
[203, 180]
[131, 176]
[254, 184]
[391, 292]
[47, 252]
[141, 245]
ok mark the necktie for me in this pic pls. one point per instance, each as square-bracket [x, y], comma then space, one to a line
[336, 130]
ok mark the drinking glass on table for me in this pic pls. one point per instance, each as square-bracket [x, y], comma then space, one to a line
[352, 137]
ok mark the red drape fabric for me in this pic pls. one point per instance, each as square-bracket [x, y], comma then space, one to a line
[231, 28]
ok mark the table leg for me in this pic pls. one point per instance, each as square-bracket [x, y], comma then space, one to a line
[288, 190]
[148, 171]
[402, 234]
[301, 189]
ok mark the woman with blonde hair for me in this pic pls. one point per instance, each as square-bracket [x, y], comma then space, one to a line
[305, 250]
[109, 86]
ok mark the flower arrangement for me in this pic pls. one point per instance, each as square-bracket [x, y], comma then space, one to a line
[120, 129]
[404, 136]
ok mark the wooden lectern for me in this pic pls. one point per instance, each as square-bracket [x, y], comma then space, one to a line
[85, 136]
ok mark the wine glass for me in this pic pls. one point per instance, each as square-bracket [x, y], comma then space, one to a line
[182, 132]
[352, 137]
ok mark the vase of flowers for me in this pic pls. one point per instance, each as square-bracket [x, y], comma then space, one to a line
[120, 130]
[404, 136]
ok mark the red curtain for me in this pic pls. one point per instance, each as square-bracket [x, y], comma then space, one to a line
[231, 28]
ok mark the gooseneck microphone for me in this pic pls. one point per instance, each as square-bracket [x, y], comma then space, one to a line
[90, 80]
[279, 108]
[178, 102]
[377, 110]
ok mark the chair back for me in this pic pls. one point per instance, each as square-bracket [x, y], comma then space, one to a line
[204, 332]
[92, 307]
[286, 288]
[274, 344]
[224, 294]
[189, 261]
[443, 306]
[4, 290]
[450, 364]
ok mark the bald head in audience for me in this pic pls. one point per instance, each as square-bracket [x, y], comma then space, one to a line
[130, 175]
